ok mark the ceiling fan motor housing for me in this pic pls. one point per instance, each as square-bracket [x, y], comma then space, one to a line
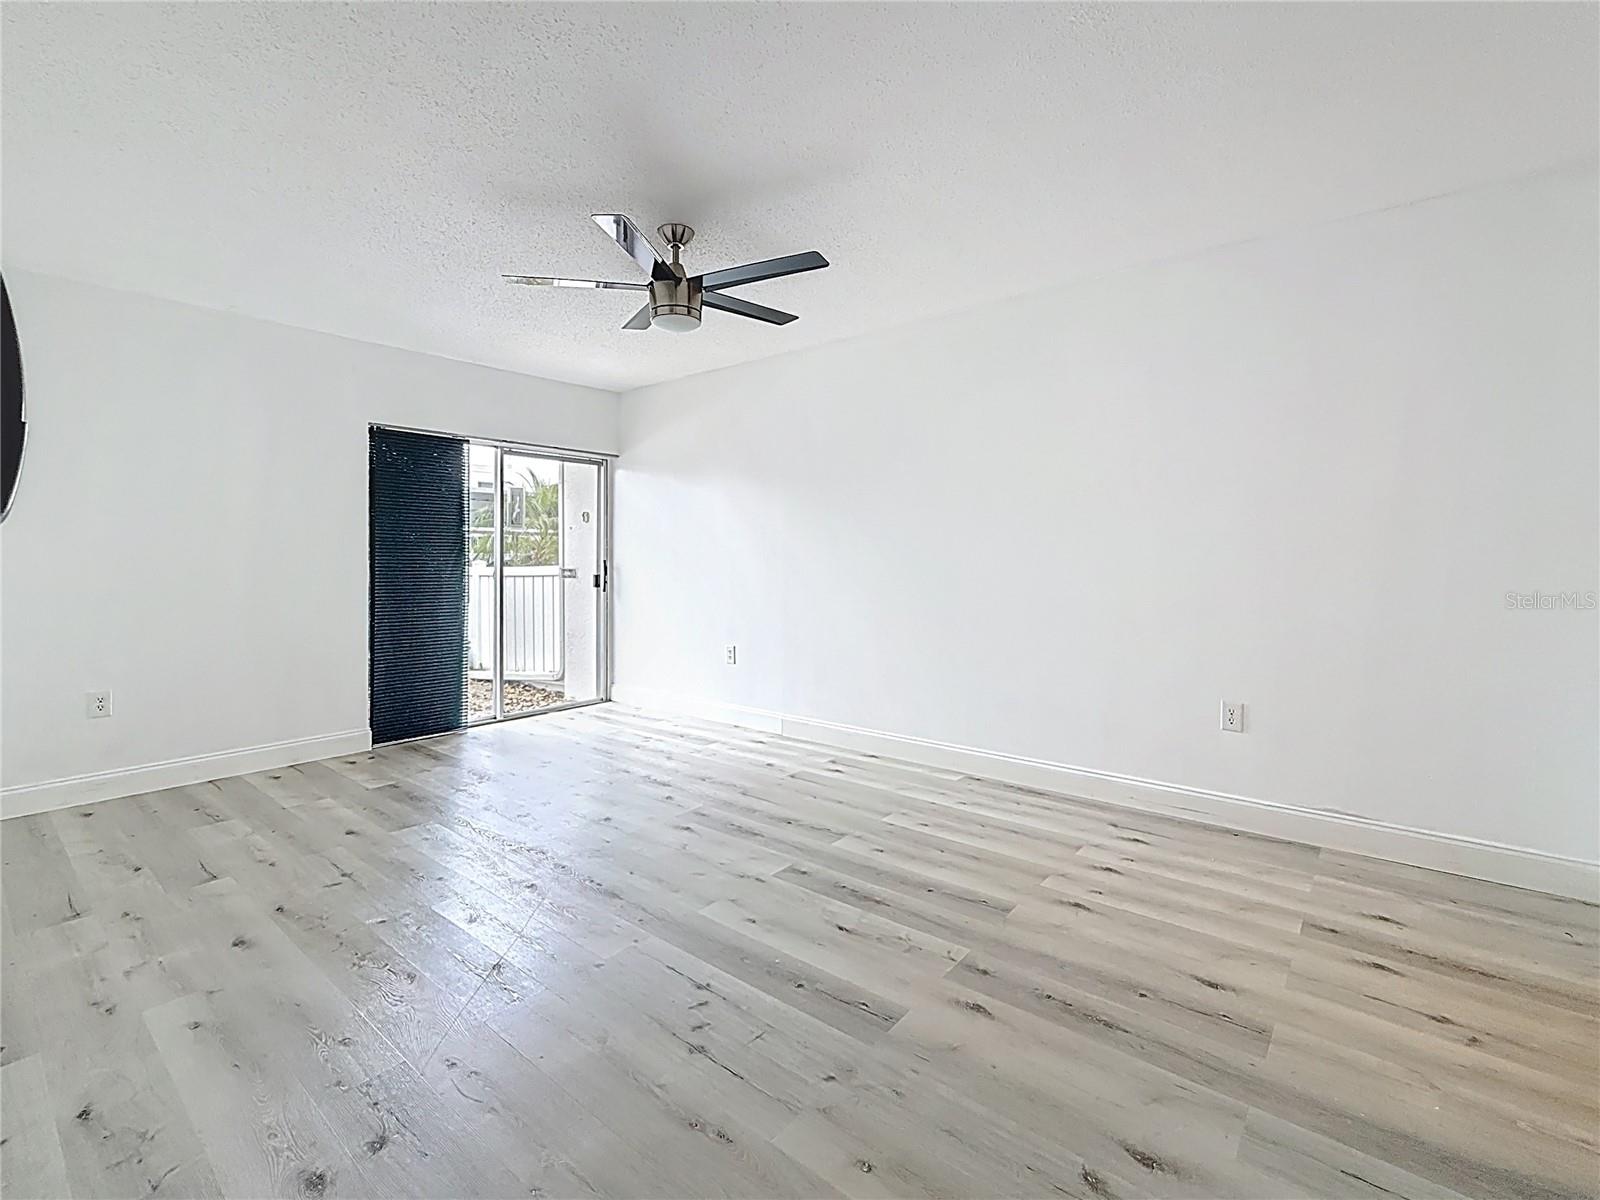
[677, 300]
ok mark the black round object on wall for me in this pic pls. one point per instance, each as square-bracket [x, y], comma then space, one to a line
[13, 422]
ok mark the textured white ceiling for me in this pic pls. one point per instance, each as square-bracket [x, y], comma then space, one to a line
[369, 170]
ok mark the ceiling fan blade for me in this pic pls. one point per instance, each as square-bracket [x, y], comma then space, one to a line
[790, 264]
[639, 320]
[744, 308]
[634, 243]
[553, 281]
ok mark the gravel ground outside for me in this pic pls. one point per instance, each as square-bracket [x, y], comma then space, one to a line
[520, 696]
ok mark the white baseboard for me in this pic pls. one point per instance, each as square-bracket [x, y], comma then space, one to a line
[152, 777]
[1478, 859]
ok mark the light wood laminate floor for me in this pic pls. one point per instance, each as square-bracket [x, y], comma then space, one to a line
[601, 953]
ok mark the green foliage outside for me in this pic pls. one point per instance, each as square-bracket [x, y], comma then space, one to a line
[532, 522]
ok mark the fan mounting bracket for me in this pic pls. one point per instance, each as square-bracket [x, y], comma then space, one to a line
[675, 234]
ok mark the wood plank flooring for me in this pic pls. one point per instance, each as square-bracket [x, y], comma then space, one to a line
[599, 953]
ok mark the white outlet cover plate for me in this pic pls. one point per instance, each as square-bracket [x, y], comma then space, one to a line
[1232, 716]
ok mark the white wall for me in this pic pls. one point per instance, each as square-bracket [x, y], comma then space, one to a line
[1300, 472]
[191, 526]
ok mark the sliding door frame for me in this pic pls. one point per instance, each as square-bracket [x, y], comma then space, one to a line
[497, 665]
[603, 627]
[602, 633]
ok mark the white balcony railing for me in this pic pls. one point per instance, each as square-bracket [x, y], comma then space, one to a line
[533, 621]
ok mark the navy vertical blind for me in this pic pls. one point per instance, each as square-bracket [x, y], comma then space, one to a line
[417, 499]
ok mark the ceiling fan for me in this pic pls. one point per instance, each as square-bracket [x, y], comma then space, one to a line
[676, 297]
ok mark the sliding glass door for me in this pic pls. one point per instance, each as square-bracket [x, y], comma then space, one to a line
[537, 581]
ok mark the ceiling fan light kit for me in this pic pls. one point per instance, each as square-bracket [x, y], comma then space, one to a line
[678, 299]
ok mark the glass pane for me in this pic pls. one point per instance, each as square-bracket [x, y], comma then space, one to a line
[525, 549]
[480, 583]
[581, 595]
[549, 601]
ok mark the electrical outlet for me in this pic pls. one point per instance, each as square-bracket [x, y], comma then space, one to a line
[1232, 716]
[97, 704]
[733, 656]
